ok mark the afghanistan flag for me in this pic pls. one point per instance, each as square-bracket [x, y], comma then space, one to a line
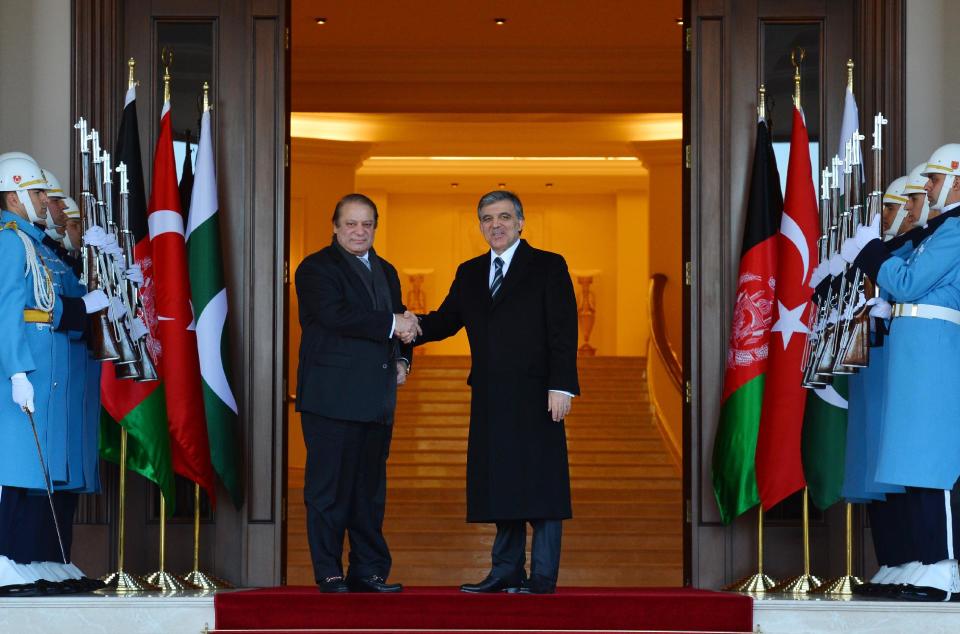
[209, 294]
[139, 407]
[178, 365]
[779, 468]
[734, 477]
[825, 419]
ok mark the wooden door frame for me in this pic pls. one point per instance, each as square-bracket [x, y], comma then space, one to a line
[714, 554]
[251, 119]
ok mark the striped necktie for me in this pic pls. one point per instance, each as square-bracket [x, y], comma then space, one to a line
[497, 277]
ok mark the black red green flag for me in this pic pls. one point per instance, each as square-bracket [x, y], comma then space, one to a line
[734, 475]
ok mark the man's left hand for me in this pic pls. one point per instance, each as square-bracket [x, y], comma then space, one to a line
[558, 405]
[401, 372]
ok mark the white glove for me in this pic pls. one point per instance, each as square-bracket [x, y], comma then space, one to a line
[110, 247]
[881, 308]
[834, 317]
[138, 329]
[95, 301]
[95, 236]
[836, 265]
[849, 250]
[866, 233]
[117, 310]
[819, 274]
[134, 274]
[22, 391]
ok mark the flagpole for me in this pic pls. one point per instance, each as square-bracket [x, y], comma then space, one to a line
[197, 577]
[161, 578]
[121, 581]
[758, 582]
[843, 585]
[803, 583]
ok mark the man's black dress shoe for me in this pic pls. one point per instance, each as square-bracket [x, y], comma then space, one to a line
[333, 584]
[927, 593]
[491, 584]
[373, 583]
[538, 585]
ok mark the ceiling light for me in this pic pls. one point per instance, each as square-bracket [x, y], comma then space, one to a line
[679, 21]
[499, 21]
[320, 21]
[502, 185]
[548, 185]
[454, 185]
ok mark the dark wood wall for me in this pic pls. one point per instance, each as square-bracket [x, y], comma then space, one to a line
[249, 94]
[723, 75]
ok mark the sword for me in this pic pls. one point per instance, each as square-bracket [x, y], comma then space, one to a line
[46, 482]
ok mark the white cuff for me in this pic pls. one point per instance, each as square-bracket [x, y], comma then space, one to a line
[564, 392]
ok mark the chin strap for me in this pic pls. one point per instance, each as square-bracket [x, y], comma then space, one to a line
[944, 191]
[894, 229]
[24, 197]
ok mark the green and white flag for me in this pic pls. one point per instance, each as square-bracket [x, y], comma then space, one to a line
[824, 438]
[209, 295]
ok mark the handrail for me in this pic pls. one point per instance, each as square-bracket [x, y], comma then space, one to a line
[658, 328]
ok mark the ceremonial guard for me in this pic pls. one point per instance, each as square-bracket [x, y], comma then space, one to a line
[33, 447]
[919, 439]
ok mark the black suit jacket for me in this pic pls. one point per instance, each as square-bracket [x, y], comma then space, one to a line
[347, 367]
[522, 344]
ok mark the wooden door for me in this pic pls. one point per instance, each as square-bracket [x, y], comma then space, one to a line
[729, 54]
[241, 48]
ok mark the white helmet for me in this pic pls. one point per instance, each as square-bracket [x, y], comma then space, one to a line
[72, 210]
[54, 190]
[944, 160]
[894, 196]
[916, 181]
[19, 174]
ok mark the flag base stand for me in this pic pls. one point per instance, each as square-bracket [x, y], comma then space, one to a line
[122, 582]
[841, 586]
[757, 583]
[168, 582]
[206, 581]
[801, 584]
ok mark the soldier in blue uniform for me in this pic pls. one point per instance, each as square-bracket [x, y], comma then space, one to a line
[31, 316]
[920, 438]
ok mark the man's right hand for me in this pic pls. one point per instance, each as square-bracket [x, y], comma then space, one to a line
[407, 327]
[22, 391]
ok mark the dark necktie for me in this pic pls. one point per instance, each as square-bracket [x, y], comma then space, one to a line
[497, 277]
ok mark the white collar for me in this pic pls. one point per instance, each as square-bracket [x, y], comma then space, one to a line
[506, 256]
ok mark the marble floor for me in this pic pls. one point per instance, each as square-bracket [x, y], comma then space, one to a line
[192, 613]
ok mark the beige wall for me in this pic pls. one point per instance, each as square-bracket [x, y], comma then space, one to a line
[439, 231]
[35, 81]
[933, 91]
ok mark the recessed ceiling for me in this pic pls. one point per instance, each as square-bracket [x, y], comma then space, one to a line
[450, 56]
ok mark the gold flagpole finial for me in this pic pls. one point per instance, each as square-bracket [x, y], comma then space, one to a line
[166, 58]
[131, 77]
[762, 108]
[850, 74]
[796, 58]
[206, 96]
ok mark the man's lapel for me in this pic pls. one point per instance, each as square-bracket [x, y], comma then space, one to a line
[351, 274]
[518, 268]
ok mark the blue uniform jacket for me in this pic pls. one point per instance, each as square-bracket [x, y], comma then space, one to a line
[920, 437]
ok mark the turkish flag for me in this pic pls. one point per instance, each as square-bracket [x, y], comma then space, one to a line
[778, 463]
[178, 363]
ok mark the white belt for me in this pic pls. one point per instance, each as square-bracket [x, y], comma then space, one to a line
[927, 311]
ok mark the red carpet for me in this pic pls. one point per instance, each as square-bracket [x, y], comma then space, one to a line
[447, 609]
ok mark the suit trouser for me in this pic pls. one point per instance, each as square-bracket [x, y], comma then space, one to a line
[893, 539]
[935, 518]
[345, 490]
[27, 530]
[510, 545]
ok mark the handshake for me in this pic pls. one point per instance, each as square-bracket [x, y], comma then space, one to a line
[407, 327]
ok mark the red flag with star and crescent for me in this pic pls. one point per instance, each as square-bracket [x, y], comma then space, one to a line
[778, 459]
[179, 363]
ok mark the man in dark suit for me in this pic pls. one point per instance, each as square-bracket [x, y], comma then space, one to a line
[350, 366]
[518, 306]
